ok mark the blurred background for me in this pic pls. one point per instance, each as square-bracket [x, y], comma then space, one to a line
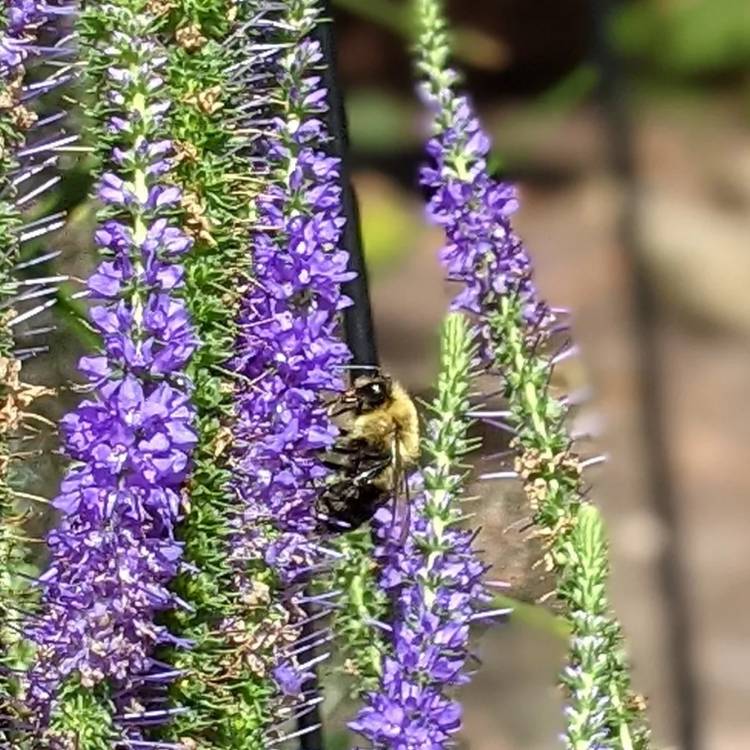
[627, 129]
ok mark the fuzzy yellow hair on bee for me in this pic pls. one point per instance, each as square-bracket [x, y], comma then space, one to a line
[379, 443]
[386, 421]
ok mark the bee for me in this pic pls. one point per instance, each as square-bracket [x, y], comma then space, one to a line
[378, 444]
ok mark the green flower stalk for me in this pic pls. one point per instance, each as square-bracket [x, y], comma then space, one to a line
[551, 472]
[518, 332]
[360, 606]
[222, 697]
[596, 659]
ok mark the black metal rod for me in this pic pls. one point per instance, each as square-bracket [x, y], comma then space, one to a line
[358, 324]
[650, 384]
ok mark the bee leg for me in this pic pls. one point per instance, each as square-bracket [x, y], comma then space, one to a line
[371, 470]
[338, 461]
[405, 522]
[346, 447]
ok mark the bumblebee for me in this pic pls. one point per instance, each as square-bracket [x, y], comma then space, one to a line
[378, 444]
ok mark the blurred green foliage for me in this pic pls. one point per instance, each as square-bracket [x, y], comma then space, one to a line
[381, 122]
[687, 37]
[471, 44]
[390, 221]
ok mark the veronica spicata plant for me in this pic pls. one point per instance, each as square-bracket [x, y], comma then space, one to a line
[28, 157]
[434, 578]
[239, 96]
[287, 355]
[491, 263]
[216, 693]
[114, 550]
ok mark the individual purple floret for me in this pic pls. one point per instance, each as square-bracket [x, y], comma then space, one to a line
[290, 352]
[114, 551]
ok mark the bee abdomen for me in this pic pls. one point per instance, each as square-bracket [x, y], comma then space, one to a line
[347, 505]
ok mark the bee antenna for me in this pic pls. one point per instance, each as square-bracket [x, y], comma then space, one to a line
[358, 367]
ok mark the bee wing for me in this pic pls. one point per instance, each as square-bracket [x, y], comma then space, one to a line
[401, 499]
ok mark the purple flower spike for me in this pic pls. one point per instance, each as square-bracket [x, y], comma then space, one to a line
[436, 596]
[434, 579]
[482, 252]
[289, 351]
[114, 552]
